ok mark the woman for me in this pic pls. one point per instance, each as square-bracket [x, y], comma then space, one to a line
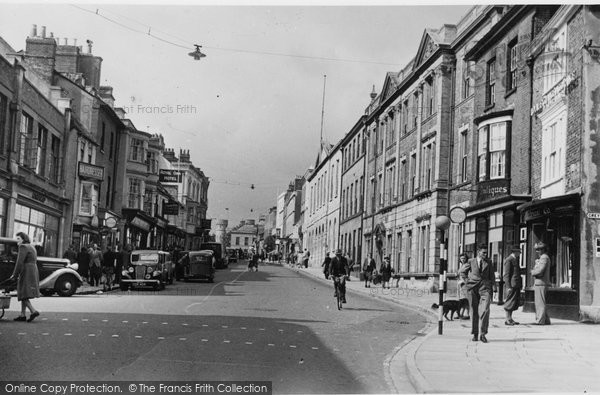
[26, 273]
[386, 272]
[463, 293]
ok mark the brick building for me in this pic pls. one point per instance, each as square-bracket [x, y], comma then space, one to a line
[565, 210]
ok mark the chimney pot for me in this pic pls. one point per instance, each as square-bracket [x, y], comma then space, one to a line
[66, 41]
[57, 40]
[51, 34]
[75, 42]
[33, 30]
[43, 31]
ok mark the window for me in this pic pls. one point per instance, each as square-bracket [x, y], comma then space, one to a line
[405, 117]
[82, 150]
[464, 152]
[491, 150]
[135, 193]
[554, 60]
[428, 166]
[245, 241]
[42, 147]
[152, 162]
[409, 243]
[108, 191]
[88, 200]
[237, 240]
[413, 174]
[54, 168]
[511, 65]
[136, 152]
[148, 200]
[103, 136]
[429, 96]
[190, 214]
[553, 150]
[490, 78]
[3, 117]
[25, 142]
[399, 264]
[403, 179]
[415, 109]
[381, 191]
[466, 80]
[362, 186]
[112, 144]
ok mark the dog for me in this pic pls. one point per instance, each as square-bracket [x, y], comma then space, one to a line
[453, 306]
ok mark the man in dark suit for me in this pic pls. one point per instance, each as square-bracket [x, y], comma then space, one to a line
[480, 282]
[512, 279]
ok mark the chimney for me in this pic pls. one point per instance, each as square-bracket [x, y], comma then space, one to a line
[184, 155]
[43, 31]
[89, 43]
[75, 42]
[33, 31]
[66, 41]
[106, 93]
[169, 154]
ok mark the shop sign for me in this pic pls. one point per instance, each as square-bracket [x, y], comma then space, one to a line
[110, 222]
[140, 223]
[492, 190]
[161, 223]
[593, 215]
[166, 175]
[558, 92]
[537, 213]
[91, 171]
[458, 215]
[170, 208]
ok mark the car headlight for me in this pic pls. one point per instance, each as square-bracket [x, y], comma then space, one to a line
[149, 269]
[131, 269]
[147, 277]
[125, 273]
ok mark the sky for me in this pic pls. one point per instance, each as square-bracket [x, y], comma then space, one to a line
[249, 112]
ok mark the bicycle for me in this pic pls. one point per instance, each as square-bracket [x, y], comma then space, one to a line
[338, 291]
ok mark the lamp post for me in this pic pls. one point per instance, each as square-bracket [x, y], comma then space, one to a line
[442, 223]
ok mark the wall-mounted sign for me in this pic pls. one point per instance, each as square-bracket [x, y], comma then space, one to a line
[492, 190]
[91, 171]
[593, 215]
[110, 222]
[166, 175]
[140, 223]
[458, 215]
[170, 208]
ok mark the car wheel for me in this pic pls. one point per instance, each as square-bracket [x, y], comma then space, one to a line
[66, 285]
[47, 292]
[124, 286]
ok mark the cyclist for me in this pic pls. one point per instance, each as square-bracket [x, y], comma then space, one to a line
[337, 270]
[253, 263]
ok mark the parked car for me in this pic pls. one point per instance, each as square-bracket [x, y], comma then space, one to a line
[148, 268]
[57, 275]
[220, 255]
[197, 265]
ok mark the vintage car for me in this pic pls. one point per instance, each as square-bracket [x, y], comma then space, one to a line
[198, 265]
[57, 275]
[148, 268]
[232, 254]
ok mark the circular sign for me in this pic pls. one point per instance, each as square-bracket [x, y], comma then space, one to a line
[110, 222]
[458, 215]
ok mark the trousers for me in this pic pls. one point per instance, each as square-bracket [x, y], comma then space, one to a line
[479, 306]
[539, 294]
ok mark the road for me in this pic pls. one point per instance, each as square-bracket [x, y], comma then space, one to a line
[274, 324]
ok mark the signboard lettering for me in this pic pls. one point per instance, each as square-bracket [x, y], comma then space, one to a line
[166, 175]
[91, 171]
[140, 223]
[492, 190]
[170, 208]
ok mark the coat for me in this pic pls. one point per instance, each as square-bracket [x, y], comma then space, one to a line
[28, 282]
[386, 272]
[541, 270]
[483, 279]
[512, 276]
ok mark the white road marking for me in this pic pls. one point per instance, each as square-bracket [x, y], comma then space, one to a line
[248, 342]
[144, 322]
[165, 323]
[92, 335]
[104, 320]
[281, 330]
[243, 327]
[224, 326]
[271, 345]
[292, 346]
[84, 320]
[300, 332]
[68, 334]
[138, 337]
[262, 329]
[115, 335]
[21, 334]
[204, 340]
[182, 338]
[65, 319]
[226, 341]
[204, 325]
[315, 348]
[45, 334]
[211, 291]
[184, 324]
[161, 338]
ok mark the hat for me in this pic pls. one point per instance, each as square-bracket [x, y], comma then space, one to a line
[515, 248]
[540, 246]
[338, 252]
[387, 258]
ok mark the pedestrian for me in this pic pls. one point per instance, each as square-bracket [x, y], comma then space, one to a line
[386, 272]
[83, 261]
[541, 275]
[305, 258]
[368, 267]
[118, 264]
[325, 265]
[349, 265]
[70, 254]
[463, 293]
[95, 265]
[108, 267]
[27, 276]
[512, 279]
[480, 278]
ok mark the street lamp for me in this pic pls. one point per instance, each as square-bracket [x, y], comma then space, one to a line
[442, 223]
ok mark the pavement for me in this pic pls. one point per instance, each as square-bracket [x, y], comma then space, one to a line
[557, 358]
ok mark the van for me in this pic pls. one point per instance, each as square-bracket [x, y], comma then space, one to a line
[148, 268]
[222, 260]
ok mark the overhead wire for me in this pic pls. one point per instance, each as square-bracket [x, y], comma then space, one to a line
[191, 45]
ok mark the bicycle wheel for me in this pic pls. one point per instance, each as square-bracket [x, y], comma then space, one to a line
[339, 298]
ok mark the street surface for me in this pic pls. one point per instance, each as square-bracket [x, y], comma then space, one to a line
[274, 325]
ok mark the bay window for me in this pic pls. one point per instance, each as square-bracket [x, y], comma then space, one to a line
[492, 150]
[88, 199]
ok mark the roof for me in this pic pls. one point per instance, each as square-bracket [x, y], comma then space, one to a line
[245, 229]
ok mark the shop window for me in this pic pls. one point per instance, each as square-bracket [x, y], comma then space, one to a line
[41, 228]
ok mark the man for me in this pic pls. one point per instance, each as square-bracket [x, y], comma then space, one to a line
[337, 270]
[70, 254]
[368, 267]
[349, 265]
[305, 258]
[480, 279]
[512, 279]
[95, 265]
[541, 274]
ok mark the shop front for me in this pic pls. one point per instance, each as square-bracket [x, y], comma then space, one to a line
[158, 238]
[555, 222]
[138, 226]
